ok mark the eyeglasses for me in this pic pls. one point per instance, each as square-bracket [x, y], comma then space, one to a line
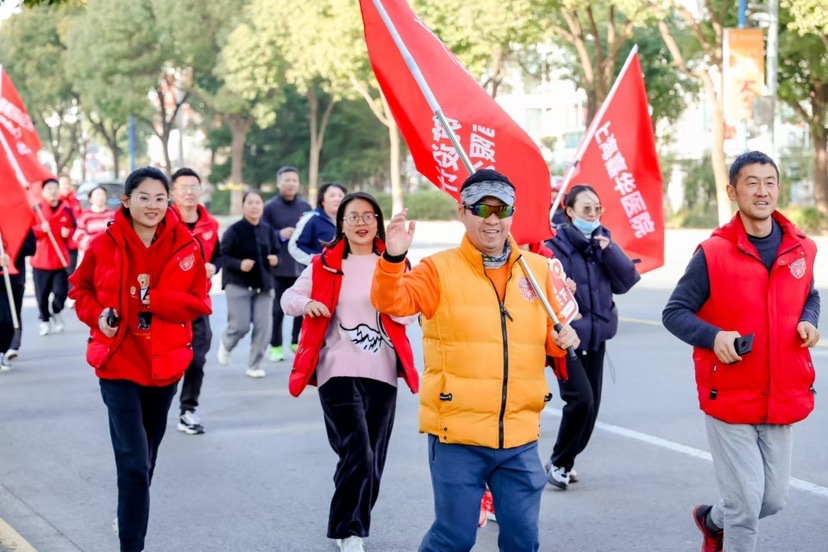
[367, 218]
[589, 209]
[189, 188]
[485, 211]
[160, 202]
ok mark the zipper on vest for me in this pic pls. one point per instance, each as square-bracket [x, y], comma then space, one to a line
[504, 314]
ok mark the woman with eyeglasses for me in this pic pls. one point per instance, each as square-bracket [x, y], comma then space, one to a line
[249, 249]
[139, 286]
[354, 355]
[600, 268]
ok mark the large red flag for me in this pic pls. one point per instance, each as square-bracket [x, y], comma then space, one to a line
[19, 138]
[489, 136]
[620, 162]
[16, 216]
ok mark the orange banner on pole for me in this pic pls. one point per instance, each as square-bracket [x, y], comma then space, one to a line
[744, 71]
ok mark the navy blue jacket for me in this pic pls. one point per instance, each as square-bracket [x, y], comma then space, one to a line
[318, 228]
[279, 214]
[599, 274]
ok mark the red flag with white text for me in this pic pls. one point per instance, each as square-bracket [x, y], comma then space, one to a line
[621, 163]
[486, 132]
[19, 138]
[16, 216]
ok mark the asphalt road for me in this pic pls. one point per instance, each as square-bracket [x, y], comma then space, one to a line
[260, 479]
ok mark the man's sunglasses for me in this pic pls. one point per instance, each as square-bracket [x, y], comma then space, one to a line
[485, 211]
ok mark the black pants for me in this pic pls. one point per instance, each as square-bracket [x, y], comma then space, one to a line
[137, 423]
[7, 331]
[194, 376]
[582, 394]
[48, 282]
[359, 417]
[282, 284]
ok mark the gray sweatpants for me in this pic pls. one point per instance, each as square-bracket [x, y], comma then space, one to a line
[753, 469]
[246, 306]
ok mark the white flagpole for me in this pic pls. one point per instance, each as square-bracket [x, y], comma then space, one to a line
[596, 121]
[9, 291]
[438, 112]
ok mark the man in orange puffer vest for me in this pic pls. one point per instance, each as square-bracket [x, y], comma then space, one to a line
[486, 342]
[751, 280]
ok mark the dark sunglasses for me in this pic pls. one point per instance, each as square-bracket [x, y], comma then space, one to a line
[485, 211]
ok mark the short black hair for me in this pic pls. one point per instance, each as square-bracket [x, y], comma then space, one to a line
[324, 188]
[750, 158]
[55, 180]
[250, 192]
[145, 173]
[287, 169]
[184, 171]
[486, 175]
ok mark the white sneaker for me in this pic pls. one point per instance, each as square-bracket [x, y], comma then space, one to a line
[573, 476]
[70, 303]
[43, 328]
[57, 323]
[557, 476]
[11, 354]
[351, 544]
[223, 354]
[5, 364]
[256, 373]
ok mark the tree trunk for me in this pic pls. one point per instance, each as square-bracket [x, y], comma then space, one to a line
[717, 155]
[317, 136]
[819, 139]
[239, 128]
[397, 203]
[164, 136]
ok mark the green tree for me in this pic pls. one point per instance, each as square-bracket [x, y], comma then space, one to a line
[33, 54]
[808, 17]
[803, 85]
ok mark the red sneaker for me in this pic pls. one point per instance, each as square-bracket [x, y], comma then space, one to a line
[713, 540]
[487, 511]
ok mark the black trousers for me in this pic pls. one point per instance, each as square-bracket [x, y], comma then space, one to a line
[194, 376]
[73, 264]
[359, 417]
[50, 282]
[7, 331]
[582, 394]
[282, 283]
[137, 423]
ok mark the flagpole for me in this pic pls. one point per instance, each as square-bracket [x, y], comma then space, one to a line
[9, 291]
[22, 179]
[411, 63]
[593, 126]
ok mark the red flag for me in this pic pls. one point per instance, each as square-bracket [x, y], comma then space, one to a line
[489, 136]
[16, 217]
[619, 160]
[19, 138]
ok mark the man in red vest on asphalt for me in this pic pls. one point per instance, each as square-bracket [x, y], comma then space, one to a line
[185, 189]
[748, 306]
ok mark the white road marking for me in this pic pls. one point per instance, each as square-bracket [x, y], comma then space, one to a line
[800, 484]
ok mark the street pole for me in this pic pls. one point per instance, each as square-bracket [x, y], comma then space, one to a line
[773, 64]
[743, 24]
[131, 134]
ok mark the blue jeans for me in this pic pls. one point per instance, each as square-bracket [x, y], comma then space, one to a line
[459, 475]
[137, 422]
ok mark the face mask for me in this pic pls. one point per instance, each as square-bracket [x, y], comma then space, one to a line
[586, 227]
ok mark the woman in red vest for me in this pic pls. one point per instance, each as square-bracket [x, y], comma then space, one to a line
[355, 355]
[138, 289]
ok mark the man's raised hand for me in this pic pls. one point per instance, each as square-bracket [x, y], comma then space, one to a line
[398, 235]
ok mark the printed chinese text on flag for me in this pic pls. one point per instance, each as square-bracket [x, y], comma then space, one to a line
[16, 217]
[489, 136]
[20, 138]
[621, 163]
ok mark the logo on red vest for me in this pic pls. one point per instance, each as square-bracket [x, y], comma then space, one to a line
[208, 235]
[187, 262]
[798, 268]
[526, 288]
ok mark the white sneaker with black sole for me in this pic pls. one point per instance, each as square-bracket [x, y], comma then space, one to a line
[190, 423]
[556, 476]
[11, 354]
[5, 364]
